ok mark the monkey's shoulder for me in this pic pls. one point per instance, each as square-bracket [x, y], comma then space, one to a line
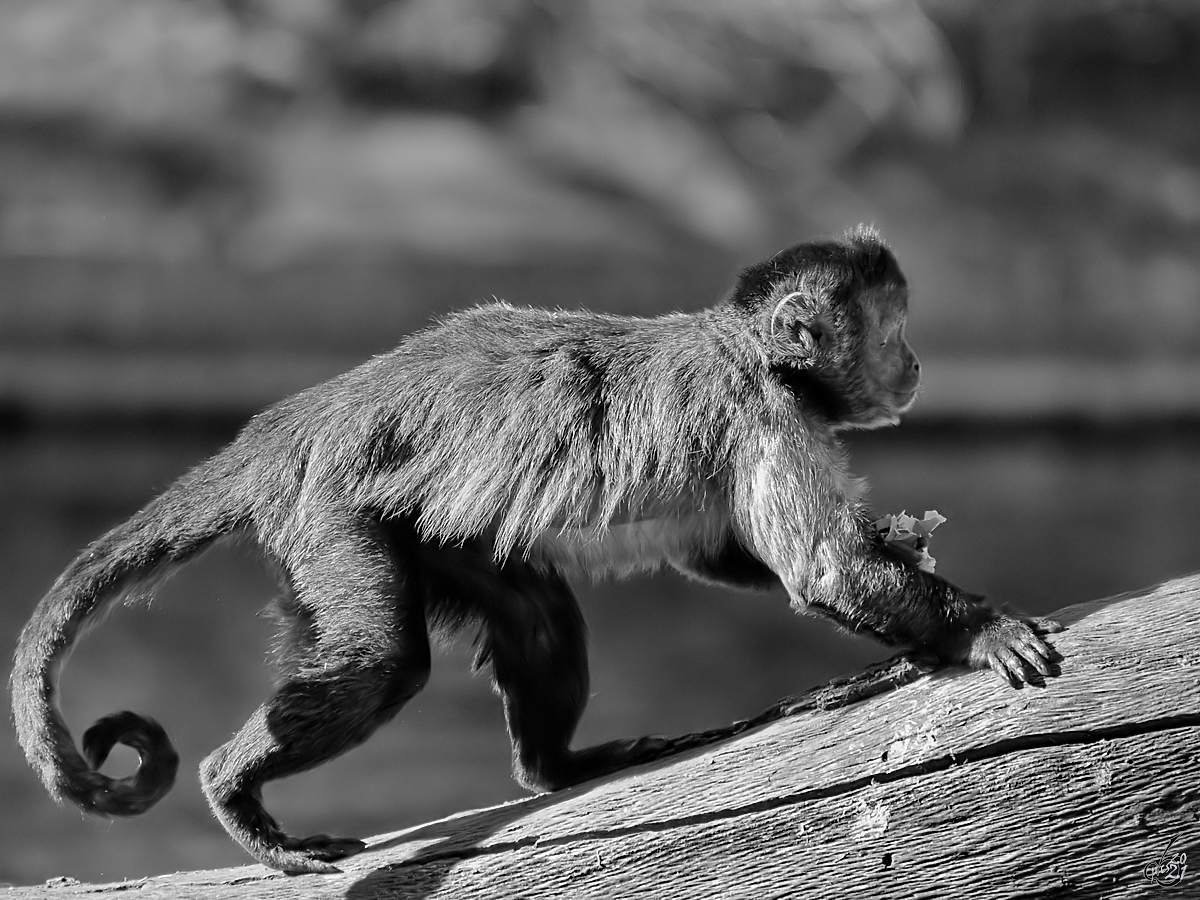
[519, 327]
[507, 358]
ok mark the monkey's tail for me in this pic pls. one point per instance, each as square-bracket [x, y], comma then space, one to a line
[193, 513]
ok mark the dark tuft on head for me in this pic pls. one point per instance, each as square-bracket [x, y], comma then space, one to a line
[875, 262]
[859, 257]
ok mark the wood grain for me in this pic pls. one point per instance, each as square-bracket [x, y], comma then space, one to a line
[893, 784]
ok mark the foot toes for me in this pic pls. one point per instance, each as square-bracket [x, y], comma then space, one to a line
[648, 747]
[296, 862]
[310, 855]
[326, 848]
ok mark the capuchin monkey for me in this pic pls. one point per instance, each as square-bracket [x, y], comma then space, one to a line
[462, 479]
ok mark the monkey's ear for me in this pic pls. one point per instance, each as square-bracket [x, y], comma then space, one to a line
[796, 328]
[806, 339]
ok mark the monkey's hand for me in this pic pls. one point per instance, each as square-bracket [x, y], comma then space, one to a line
[1014, 648]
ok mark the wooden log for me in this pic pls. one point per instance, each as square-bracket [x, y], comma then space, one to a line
[897, 783]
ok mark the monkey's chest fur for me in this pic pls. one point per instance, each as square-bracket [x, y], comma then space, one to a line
[674, 534]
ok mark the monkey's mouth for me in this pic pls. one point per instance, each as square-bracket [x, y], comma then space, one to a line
[904, 400]
[883, 410]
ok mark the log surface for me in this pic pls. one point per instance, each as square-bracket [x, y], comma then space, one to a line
[893, 784]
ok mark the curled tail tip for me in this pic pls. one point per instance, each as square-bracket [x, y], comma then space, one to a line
[97, 793]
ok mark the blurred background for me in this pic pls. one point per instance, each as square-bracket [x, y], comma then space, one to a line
[206, 205]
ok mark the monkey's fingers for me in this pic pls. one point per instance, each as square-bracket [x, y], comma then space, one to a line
[1038, 654]
[1016, 652]
[1041, 625]
[1011, 668]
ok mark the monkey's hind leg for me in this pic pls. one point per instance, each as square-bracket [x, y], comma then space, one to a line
[358, 649]
[535, 638]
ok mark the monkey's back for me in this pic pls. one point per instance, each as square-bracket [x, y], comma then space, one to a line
[512, 421]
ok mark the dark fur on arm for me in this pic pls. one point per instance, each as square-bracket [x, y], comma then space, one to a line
[731, 565]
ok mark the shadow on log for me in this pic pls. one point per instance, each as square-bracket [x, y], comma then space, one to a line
[896, 783]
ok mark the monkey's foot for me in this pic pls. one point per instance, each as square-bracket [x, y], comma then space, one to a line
[642, 749]
[297, 856]
[1014, 650]
[602, 759]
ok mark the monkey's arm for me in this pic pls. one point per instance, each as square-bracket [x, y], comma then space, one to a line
[830, 561]
[857, 582]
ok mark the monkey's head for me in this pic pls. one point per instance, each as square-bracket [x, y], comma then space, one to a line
[828, 319]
